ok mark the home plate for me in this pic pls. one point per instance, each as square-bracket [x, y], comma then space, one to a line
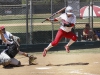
[43, 68]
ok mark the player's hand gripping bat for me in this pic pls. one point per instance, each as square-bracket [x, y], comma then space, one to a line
[59, 11]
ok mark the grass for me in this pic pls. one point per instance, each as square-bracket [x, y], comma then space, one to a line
[22, 29]
[16, 29]
[37, 18]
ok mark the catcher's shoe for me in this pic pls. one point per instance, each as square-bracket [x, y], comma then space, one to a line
[5, 63]
[19, 64]
[8, 66]
[67, 49]
[44, 52]
[12, 65]
[31, 59]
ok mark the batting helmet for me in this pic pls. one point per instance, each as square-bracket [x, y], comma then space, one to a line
[69, 10]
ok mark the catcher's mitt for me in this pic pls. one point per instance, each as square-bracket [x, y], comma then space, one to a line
[31, 60]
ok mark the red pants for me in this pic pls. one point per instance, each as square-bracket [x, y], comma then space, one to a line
[60, 34]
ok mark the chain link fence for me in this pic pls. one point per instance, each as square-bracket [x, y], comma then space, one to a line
[24, 18]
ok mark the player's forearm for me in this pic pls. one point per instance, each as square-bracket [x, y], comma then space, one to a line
[2, 37]
[24, 53]
[52, 19]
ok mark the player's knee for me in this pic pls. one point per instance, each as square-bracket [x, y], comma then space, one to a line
[74, 38]
[19, 64]
[54, 43]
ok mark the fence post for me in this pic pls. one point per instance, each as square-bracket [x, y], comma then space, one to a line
[26, 22]
[52, 21]
[31, 27]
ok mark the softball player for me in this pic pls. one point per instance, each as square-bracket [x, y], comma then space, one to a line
[8, 54]
[67, 20]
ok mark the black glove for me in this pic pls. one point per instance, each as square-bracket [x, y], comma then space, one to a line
[67, 25]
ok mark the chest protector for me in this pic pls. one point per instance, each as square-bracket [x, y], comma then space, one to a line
[12, 49]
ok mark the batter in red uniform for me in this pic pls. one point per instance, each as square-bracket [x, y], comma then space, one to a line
[68, 20]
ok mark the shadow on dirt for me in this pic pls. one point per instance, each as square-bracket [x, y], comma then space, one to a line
[12, 66]
[69, 64]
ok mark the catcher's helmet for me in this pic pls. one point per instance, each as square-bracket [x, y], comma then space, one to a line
[69, 10]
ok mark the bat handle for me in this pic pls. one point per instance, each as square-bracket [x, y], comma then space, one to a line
[50, 17]
[44, 21]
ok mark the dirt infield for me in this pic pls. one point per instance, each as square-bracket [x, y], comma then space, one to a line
[56, 63]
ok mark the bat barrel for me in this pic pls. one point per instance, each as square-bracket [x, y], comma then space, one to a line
[55, 13]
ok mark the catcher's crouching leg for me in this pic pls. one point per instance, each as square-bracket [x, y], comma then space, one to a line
[31, 60]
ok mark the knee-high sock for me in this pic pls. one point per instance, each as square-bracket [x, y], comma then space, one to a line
[70, 42]
[49, 46]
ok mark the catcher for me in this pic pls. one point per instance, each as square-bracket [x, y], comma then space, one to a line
[7, 55]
